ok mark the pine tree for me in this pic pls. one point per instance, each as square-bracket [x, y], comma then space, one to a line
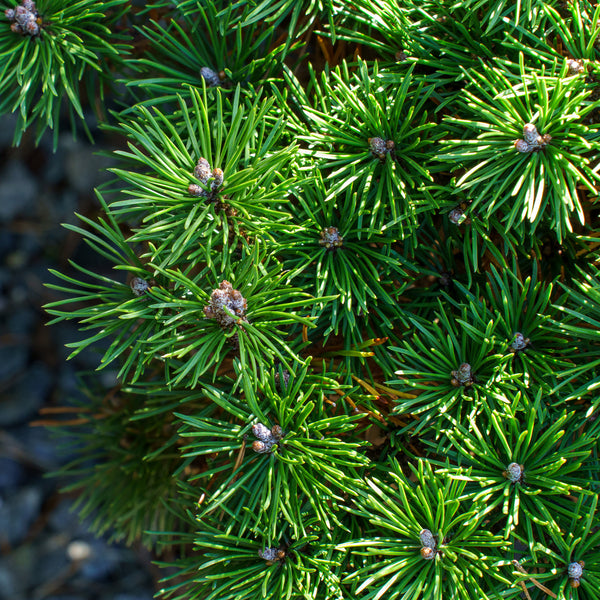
[355, 301]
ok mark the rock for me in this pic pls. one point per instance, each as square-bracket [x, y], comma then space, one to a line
[12, 474]
[51, 560]
[42, 449]
[5, 277]
[8, 242]
[13, 360]
[17, 512]
[102, 561]
[63, 518]
[21, 322]
[53, 170]
[9, 588]
[18, 191]
[8, 123]
[84, 168]
[22, 401]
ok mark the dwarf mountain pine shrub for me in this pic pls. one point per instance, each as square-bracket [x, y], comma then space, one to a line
[354, 302]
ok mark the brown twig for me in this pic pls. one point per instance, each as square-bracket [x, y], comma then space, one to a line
[536, 583]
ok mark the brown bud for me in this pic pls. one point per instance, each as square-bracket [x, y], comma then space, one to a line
[331, 238]
[259, 446]
[271, 554]
[32, 28]
[575, 66]
[530, 133]
[227, 306]
[377, 145]
[522, 146]
[196, 190]
[463, 376]
[427, 553]
[218, 178]
[261, 431]
[202, 170]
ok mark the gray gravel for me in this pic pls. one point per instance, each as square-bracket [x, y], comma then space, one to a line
[46, 553]
[18, 191]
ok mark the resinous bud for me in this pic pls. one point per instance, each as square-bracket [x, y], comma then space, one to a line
[139, 286]
[427, 538]
[211, 77]
[575, 570]
[331, 238]
[514, 472]
[262, 432]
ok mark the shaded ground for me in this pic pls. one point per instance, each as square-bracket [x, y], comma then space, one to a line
[45, 552]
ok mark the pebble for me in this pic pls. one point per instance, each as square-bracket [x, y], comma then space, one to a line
[8, 582]
[26, 396]
[64, 518]
[41, 447]
[39, 189]
[13, 361]
[12, 474]
[17, 512]
[21, 322]
[102, 561]
[8, 241]
[84, 168]
[7, 128]
[18, 191]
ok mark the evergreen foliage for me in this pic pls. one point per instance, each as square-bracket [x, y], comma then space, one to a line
[70, 51]
[355, 291]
